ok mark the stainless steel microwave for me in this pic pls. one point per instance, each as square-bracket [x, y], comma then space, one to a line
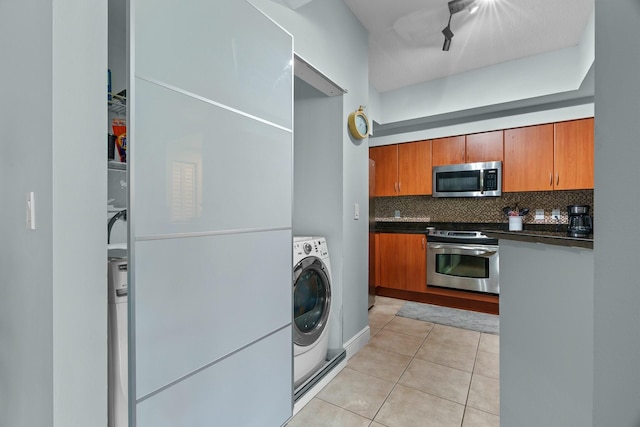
[483, 179]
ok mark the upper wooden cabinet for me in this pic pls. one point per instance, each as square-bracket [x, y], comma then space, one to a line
[403, 261]
[386, 169]
[555, 156]
[528, 159]
[402, 169]
[573, 154]
[477, 147]
[485, 147]
[414, 168]
[448, 151]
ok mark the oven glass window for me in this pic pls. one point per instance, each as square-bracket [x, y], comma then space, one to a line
[309, 300]
[462, 266]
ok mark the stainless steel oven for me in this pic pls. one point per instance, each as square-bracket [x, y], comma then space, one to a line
[462, 260]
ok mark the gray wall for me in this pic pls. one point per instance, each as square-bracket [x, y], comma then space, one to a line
[317, 183]
[546, 335]
[26, 389]
[617, 286]
[53, 305]
[329, 37]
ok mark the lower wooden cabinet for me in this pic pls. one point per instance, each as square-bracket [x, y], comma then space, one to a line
[403, 261]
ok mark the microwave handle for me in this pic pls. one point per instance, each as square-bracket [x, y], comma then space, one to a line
[481, 181]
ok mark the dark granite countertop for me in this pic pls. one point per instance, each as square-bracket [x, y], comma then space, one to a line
[558, 238]
[421, 227]
[551, 234]
[401, 227]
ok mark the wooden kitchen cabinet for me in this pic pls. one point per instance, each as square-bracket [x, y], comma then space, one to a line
[528, 159]
[477, 147]
[402, 169]
[554, 156]
[573, 154]
[485, 147]
[448, 151]
[386, 169]
[414, 168]
[403, 261]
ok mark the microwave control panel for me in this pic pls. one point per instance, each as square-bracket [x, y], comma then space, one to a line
[490, 180]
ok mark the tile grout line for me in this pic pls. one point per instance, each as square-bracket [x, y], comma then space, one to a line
[477, 349]
[475, 361]
[413, 357]
[387, 397]
[400, 376]
[344, 409]
[444, 366]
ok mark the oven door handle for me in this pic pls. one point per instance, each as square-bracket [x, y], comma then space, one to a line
[475, 251]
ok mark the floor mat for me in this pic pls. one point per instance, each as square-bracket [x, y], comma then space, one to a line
[481, 322]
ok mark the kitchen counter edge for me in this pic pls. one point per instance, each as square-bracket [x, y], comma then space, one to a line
[540, 234]
[546, 237]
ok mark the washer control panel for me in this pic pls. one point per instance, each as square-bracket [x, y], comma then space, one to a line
[311, 246]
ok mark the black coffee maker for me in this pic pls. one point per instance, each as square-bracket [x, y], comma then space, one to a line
[580, 223]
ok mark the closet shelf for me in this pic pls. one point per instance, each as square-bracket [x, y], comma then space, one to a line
[118, 104]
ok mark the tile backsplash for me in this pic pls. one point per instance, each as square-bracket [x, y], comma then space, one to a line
[480, 209]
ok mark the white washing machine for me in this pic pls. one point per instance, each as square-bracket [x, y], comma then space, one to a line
[117, 347]
[311, 306]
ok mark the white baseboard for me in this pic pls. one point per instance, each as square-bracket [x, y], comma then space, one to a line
[358, 341]
[352, 347]
[313, 391]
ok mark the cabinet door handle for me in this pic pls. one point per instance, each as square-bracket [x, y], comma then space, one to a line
[395, 187]
[557, 179]
[423, 243]
[399, 187]
[550, 179]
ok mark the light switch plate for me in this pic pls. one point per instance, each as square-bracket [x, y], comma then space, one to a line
[555, 214]
[539, 213]
[356, 211]
[31, 211]
[396, 214]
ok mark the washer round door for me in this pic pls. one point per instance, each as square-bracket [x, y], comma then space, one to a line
[311, 300]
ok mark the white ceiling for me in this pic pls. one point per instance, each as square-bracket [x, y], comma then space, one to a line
[405, 36]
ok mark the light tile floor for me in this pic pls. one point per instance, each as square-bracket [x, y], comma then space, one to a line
[414, 374]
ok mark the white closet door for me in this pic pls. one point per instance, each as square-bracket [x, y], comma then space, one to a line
[210, 181]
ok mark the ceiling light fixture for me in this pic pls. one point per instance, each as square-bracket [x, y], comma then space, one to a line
[456, 6]
[448, 35]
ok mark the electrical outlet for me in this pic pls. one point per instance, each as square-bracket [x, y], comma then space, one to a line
[396, 214]
[555, 213]
[540, 214]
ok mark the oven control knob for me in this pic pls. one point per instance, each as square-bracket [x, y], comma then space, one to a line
[307, 248]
